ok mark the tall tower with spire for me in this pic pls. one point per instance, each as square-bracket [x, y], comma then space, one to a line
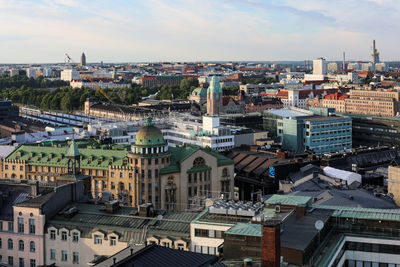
[214, 97]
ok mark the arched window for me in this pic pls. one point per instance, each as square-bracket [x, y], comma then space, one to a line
[32, 246]
[199, 161]
[10, 243]
[21, 245]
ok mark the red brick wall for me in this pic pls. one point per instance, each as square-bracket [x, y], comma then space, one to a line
[271, 246]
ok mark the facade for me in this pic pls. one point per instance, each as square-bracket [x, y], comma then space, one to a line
[394, 183]
[131, 175]
[109, 228]
[70, 74]
[301, 130]
[364, 102]
[319, 66]
[102, 83]
[158, 80]
[23, 218]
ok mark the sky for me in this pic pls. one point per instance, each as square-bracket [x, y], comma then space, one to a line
[42, 31]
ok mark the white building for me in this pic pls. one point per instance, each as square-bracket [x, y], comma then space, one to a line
[294, 99]
[70, 74]
[332, 67]
[319, 66]
[102, 84]
[178, 130]
[31, 72]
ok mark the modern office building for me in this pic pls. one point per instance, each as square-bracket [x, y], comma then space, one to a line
[301, 130]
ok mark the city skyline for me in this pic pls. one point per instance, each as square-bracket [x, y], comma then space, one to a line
[134, 31]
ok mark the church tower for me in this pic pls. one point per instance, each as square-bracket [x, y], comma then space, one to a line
[214, 97]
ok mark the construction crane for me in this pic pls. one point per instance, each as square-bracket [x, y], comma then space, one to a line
[88, 77]
[95, 84]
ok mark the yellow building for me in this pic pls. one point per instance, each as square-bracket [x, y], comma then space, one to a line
[147, 172]
[394, 183]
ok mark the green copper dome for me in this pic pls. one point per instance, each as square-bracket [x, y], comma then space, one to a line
[200, 91]
[149, 135]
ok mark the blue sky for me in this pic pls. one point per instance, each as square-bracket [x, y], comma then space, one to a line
[193, 30]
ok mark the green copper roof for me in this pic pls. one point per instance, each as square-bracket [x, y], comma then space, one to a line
[73, 150]
[149, 135]
[55, 155]
[288, 200]
[214, 87]
[180, 153]
[201, 91]
[249, 229]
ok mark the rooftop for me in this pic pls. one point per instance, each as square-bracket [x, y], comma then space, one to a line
[288, 200]
[289, 113]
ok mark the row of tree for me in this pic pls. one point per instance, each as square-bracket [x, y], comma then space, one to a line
[65, 98]
[21, 80]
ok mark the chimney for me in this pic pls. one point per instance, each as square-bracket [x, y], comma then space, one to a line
[112, 206]
[271, 243]
[35, 189]
[344, 60]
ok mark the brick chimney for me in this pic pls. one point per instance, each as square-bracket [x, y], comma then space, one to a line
[271, 243]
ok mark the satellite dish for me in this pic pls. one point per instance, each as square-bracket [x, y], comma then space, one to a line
[159, 217]
[319, 225]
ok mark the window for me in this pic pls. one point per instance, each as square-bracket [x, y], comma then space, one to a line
[21, 262]
[32, 246]
[64, 236]
[75, 237]
[32, 263]
[63, 255]
[113, 241]
[10, 260]
[1, 226]
[21, 245]
[10, 244]
[1, 244]
[31, 226]
[120, 175]
[75, 257]
[52, 234]
[52, 254]
[112, 185]
[199, 161]
[20, 225]
[97, 240]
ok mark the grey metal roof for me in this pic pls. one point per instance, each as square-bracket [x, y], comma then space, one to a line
[154, 256]
[288, 113]
[91, 217]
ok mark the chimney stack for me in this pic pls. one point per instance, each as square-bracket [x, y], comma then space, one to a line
[35, 189]
[344, 61]
[271, 243]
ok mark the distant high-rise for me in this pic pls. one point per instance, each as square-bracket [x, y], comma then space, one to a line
[83, 59]
[319, 66]
[344, 61]
[375, 54]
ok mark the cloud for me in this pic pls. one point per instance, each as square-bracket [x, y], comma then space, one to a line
[153, 30]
